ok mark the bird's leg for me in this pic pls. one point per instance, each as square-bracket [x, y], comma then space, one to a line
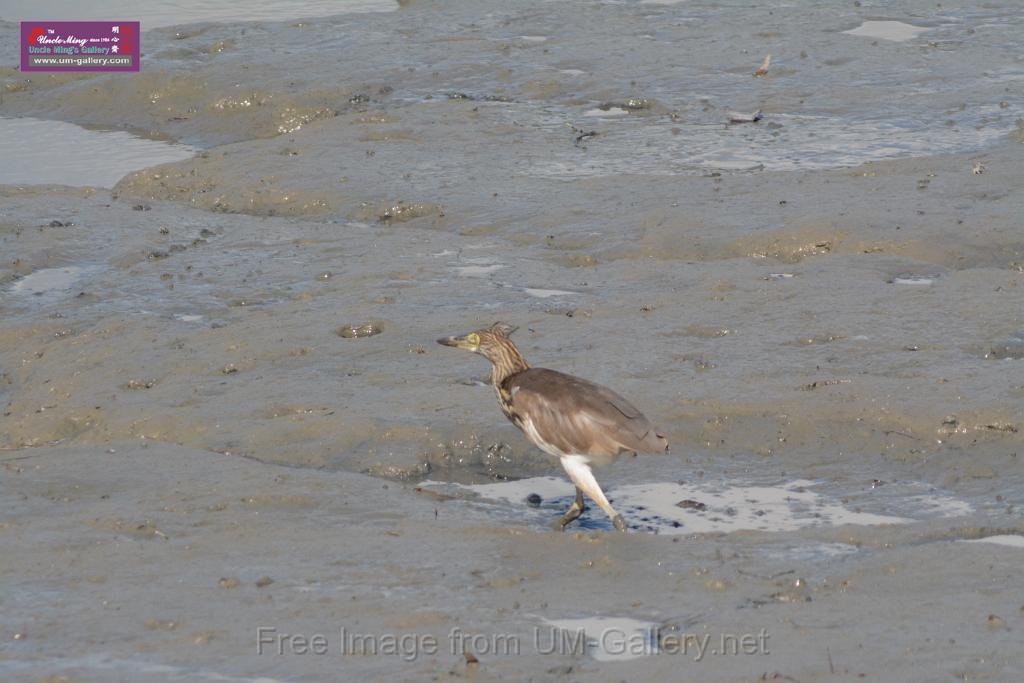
[578, 469]
[575, 510]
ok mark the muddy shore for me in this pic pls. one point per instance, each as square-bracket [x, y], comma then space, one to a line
[192, 447]
[160, 563]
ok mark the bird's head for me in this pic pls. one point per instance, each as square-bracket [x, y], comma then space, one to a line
[491, 342]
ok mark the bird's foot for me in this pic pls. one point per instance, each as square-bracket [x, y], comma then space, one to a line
[571, 516]
[619, 523]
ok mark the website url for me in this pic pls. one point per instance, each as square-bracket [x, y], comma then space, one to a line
[80, 61]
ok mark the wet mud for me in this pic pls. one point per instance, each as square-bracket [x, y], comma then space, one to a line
[223, 407]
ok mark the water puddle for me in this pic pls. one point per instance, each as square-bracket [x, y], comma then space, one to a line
[1009, 348]
[131, 668]
[1010, 540]
[547, 293]
[919, 280]
[478, 271]
[814, 552]
[779, 142]
[610, 111]
[606, 639]
[42, 152]
[50, 284]
[896, 31]
[175, 12]
[684, 508]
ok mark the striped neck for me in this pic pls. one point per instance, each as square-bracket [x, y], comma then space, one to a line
[506, 361]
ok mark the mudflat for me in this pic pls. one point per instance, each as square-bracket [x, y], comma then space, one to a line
[231, 450]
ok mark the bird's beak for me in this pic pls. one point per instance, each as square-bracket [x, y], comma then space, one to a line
[457, 342]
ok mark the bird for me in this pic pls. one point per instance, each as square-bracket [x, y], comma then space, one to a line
[581, 423]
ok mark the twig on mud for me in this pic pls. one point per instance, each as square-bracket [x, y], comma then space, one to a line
[887, 432]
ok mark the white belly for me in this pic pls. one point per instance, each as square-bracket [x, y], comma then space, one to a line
[531, 433]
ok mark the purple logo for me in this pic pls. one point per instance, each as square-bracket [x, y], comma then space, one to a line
[80, 46]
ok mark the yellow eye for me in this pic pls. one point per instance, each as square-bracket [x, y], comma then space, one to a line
[473, 339]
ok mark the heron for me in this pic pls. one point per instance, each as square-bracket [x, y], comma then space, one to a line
[581, 423]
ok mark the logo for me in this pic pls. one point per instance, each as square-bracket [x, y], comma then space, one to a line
[80, 46]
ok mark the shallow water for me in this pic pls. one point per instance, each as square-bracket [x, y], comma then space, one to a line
[51, 283]
[158, 13]
[722, 507]
[828, 100]
[139, 669]
[38, 152]
[888, 30]
[1012, 541]
[610, 639]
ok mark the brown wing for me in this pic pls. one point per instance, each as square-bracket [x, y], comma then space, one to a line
[577, 416]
